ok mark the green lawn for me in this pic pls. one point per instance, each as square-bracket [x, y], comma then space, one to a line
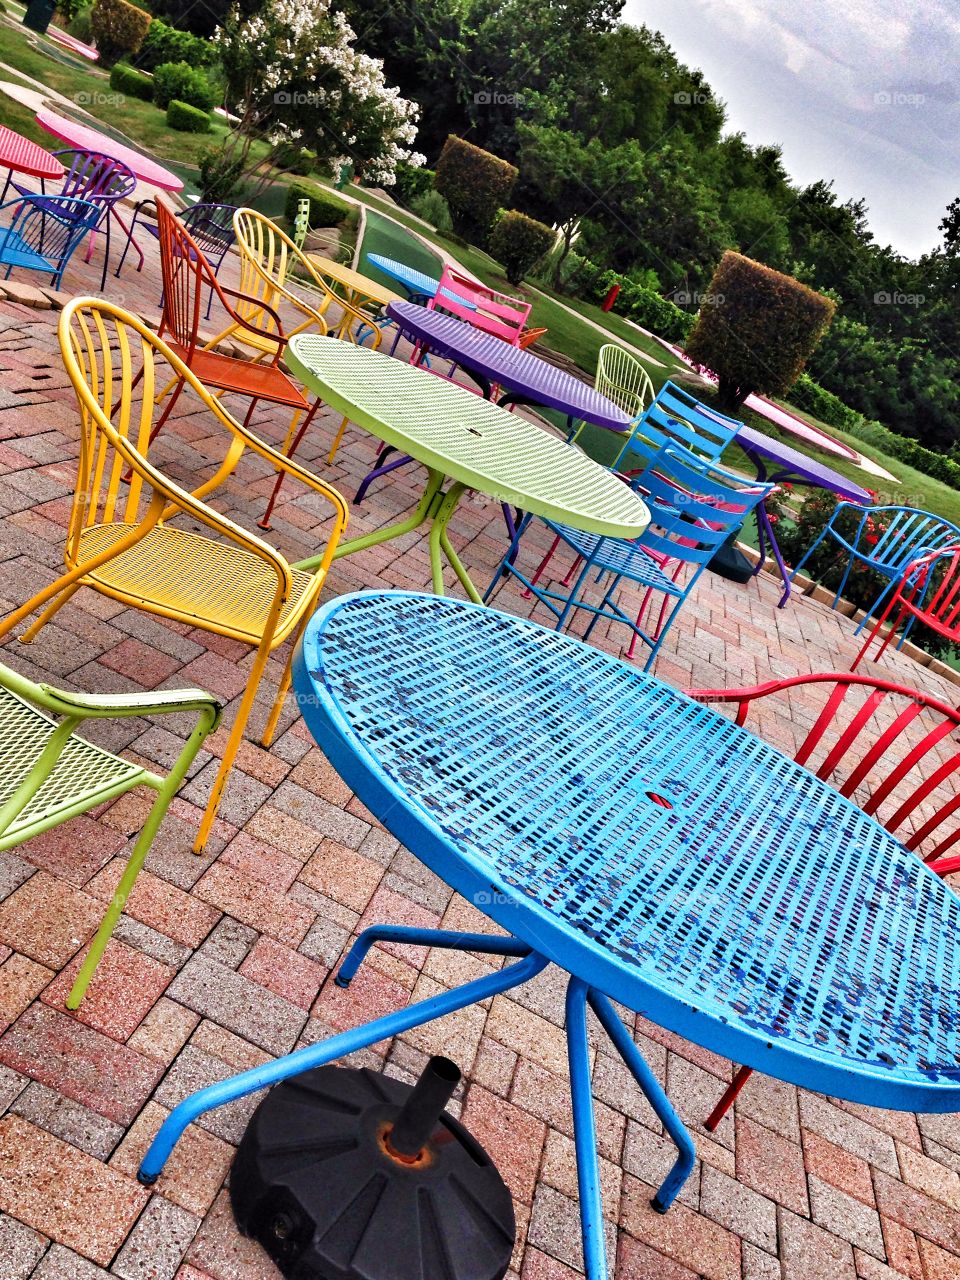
[138, 124]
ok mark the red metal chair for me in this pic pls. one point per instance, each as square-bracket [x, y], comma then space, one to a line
[928, 592]
[186, 273]
[890, 779]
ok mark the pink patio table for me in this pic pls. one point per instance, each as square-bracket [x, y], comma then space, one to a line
[86, 139]
[19, 155]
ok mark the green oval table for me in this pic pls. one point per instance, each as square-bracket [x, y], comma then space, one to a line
[465, 443]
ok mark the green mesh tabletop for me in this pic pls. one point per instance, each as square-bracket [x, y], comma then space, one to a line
[644, 843]
[465, 438]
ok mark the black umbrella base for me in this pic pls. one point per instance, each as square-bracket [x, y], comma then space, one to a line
[351, 1175]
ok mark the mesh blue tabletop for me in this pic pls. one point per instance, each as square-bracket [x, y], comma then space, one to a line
[417, 283]
[644, 843]
[520, 371]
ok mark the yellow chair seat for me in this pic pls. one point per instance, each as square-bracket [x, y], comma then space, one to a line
[194, 579]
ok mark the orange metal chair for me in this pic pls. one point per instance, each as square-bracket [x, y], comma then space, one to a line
[186, 275]
[124, 540]
[853, 745]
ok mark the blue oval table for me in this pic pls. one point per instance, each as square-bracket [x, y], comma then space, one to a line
[660, 855]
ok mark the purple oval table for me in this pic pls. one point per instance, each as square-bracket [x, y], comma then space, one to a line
[490, 360]
[781, 463]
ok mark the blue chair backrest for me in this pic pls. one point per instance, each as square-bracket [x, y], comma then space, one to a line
[53, 226]
[694, 504]
[93, 175]
[675, 415]
[211, 226]
[909, 534]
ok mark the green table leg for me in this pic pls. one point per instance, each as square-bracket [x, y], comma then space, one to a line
[435, 506]
[424, 509]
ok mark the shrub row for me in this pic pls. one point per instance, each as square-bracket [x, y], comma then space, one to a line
[811, 397]
[939, 466]
[518, 243]
[164, 43]
[131, 82]
[326, 210]
[642, 305]
[186, 118]
[185, 83]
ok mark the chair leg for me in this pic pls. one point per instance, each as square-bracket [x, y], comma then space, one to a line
[484, 943]
[285, 680]
[741, 1077]
[57, 594]
[526, 593]
[233, 745]
[264, 523]
[336, 439]
[171, 785]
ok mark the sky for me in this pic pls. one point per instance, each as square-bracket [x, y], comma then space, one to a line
[866, 92]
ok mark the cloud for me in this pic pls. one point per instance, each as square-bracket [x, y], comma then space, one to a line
[866, 93]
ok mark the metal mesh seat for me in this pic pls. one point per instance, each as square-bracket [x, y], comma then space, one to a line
[196, 580]
[49, 774]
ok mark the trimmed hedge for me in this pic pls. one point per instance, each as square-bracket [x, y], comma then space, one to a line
[164, 43]
[118, 28]
[635, 301]
[518, 243]
[326, 210]
[185, 83]
[432, 208]
[939, 466]
[755, 329]
[475, 184]
[823, 404]
[186, 118]
[133, 83]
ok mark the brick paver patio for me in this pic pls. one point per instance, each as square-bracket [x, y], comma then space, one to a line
[225, 960]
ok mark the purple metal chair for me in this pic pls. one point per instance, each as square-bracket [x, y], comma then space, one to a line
[211, 226]
[95, 177]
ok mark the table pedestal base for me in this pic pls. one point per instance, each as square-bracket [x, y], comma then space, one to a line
[528, 964]
[436, 506]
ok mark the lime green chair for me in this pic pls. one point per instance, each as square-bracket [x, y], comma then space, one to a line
[48, 774]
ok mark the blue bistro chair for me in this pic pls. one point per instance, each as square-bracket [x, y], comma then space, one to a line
[97, 177]
[672, 416]
[210, 225]
[694, 507]
[45, 232]
[909, 535]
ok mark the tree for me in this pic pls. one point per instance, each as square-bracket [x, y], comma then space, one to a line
[756, 329]
[293, 75]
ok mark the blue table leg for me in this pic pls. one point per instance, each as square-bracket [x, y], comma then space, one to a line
[653, 1091]
[585, 1133]
[485, 943]
[316, 1055]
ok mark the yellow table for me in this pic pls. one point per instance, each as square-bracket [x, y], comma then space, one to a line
[360, 289]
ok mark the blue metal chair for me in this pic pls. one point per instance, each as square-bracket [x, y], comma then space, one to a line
[909, 534]
[98, 178]
[694, 506]
[45, 232]
[211, 226]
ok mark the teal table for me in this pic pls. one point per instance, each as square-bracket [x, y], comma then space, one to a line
[465, 443]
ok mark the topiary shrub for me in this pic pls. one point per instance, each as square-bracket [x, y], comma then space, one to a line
[432, 208]
[475, 184]
[118, 28]
[181, 81]
[164, 43]
[756, 328]
[518, 243]
[186, 118]
[326, 210]
[132, 83]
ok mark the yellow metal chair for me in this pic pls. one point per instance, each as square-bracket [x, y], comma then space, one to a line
[122, 540]
[270, 263]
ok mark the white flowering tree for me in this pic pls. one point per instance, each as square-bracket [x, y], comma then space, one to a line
[294, 77]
